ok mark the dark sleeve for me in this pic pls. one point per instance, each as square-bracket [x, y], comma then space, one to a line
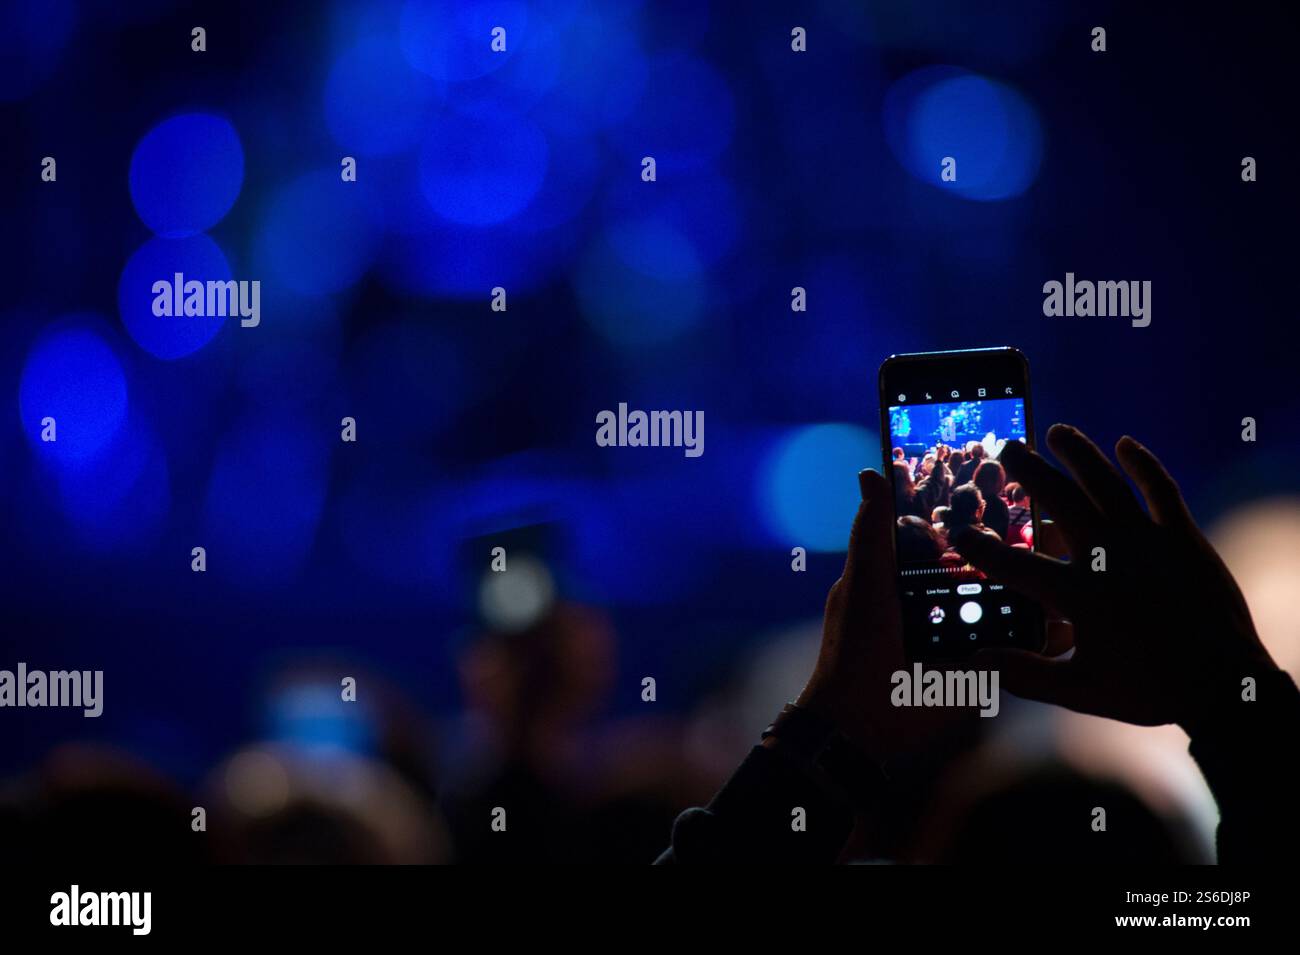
[1248, 758]
[751, 819]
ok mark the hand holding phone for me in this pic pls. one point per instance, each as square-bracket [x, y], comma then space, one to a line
[862, 644]
[1162, 633]
[946, 418]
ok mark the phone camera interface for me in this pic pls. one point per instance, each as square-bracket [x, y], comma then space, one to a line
[947, 476]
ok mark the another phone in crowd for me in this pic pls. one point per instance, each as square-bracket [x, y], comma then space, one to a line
[944, 419]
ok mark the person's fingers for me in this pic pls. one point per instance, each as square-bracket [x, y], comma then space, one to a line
[1098, 477]
[1062, 498]
[869, 566]
[1044, 579]
[1060, 637]
[1033, 676]
[1164, 499]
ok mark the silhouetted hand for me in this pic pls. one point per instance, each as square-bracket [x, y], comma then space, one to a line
[1162, 633]
[862, 639]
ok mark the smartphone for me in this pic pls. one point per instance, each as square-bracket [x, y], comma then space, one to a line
[937, 408]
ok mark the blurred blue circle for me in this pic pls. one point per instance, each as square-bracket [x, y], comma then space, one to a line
[452, 39]
[654, 247]
[987, 128]
[810, 489]
[72, 376]
[196, 258]
[186, 174]
[482, 169]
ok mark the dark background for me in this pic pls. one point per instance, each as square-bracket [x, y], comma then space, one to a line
[476, 428]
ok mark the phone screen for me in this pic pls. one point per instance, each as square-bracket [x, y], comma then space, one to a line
[945, 417]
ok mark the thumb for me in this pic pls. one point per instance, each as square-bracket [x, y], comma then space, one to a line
[1032, 676]
[869, 566]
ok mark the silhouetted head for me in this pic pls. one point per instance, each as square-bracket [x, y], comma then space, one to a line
[966, 506]
[917, 540]
[902, 476]
[990, 478]
[553, 673]
[89, 804]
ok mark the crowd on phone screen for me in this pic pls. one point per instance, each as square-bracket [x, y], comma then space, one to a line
[947, 489]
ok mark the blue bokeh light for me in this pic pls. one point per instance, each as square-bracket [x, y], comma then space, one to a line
[528, 75]
[988, 128]
[809, 491]
[318, 234]
[197, 258]
[376, 104]
[307, 715]
[482, 169]
[186, 174]
[73, 376]
[452, 39]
